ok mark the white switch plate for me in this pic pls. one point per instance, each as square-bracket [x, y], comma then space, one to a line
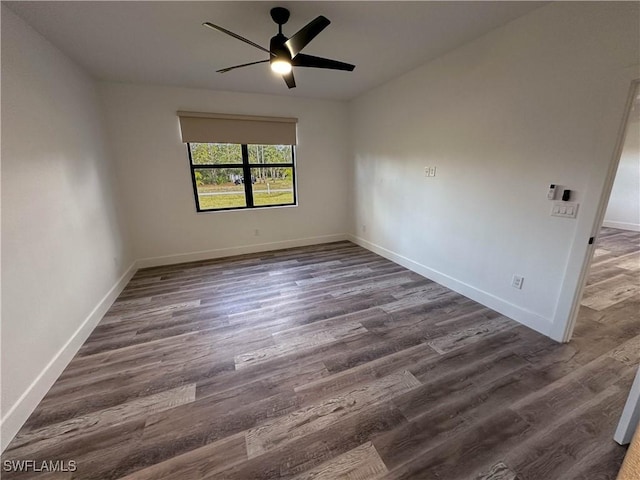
[429, 171]
[564, 209]
[517, 281]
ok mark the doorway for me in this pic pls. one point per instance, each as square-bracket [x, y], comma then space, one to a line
[610, 303]
[569, 307]
[612, 290]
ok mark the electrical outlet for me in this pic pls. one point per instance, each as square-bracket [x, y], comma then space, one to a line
[517, 281]
[256, 232]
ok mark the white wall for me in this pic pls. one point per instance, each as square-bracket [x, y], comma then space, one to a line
[623, 210]
[501, 118]
[153, 168]
[63, 245]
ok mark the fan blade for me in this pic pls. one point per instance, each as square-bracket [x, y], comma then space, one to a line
[224, 70]
[307, 33]
[235, 35]
[303, 60]
[289, 80]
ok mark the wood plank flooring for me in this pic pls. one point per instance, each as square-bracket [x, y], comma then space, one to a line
[330, 362]
[615, 269]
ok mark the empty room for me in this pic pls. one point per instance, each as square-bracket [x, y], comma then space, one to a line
[320, 240]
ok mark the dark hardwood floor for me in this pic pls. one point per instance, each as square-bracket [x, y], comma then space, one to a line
[330, 362]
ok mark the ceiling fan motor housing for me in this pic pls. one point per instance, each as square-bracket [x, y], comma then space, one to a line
[279, 50]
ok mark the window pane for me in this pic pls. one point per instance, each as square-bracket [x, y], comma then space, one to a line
[272, 185]
[220, 188]
[261, 154]
[215, 153]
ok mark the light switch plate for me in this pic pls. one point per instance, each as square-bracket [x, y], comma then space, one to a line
[564, 209]
[517, 281]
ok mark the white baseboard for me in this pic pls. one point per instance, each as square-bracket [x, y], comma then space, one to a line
[519, 314]
[634, 227]
[26, 404]
[231, 251]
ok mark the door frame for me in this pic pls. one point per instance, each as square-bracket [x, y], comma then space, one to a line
[630, 414]
[581, 255]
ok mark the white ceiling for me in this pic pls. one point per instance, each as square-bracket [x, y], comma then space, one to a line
[164, 43]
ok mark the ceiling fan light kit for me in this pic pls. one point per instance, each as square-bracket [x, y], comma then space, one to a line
[284, 53]
[281, 66]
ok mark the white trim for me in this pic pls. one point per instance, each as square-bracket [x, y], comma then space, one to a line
[228, 252]
[29, 400]
[634, 227]
[519, 314]
[630, 415]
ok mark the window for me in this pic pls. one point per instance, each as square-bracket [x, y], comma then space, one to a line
[240, 161]
[230, 175]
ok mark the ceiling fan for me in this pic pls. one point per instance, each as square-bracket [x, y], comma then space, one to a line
[284, 53]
